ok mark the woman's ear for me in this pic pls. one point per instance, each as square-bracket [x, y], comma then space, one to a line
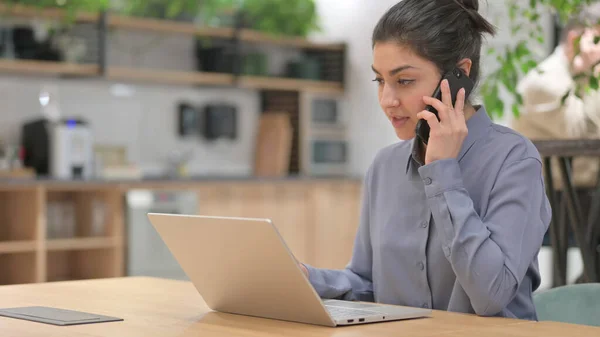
[465, 65]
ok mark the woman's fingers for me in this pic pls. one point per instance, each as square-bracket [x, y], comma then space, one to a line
[431, 119]
[446, 95]
[459, 106]
[441, 108]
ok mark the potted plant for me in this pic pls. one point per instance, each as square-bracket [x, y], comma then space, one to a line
[183, 10]
[71, 7]
[290, 17]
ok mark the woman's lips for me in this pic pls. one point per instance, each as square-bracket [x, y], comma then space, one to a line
[399, 122]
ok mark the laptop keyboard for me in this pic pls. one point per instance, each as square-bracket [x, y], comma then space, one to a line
[341, 313]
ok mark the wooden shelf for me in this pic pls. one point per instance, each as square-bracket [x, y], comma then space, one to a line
[276, 83]
[82, 243]
[21, 11]
[48, 68]
[168, 27]
[165, 76]
[249, 35]
[17, 247]
[168, 77]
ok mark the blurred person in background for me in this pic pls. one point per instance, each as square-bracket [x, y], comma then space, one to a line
[551, 108]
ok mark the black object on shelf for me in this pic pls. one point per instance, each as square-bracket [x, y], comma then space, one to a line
[35, 142]
[308, 68]
[255, 64]
[26, 46]
[24, 42]
[4, 37]
[218, 57]
[189, 120]
[220, 121]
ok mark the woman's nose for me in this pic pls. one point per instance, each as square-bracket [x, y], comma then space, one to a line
[389, 99]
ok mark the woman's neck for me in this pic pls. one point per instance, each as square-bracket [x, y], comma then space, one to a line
[469, 111]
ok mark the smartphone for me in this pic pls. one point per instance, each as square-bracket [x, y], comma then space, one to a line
[457, 79]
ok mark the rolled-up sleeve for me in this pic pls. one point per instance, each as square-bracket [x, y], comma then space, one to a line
[489, 254]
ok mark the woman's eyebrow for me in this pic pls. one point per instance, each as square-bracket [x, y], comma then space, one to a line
[395, 70]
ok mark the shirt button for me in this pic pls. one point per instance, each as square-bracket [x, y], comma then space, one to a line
[446, 250]
[421, 265]
[424, 224]
[427, 181]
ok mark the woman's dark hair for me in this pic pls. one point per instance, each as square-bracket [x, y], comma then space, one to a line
[442, 31]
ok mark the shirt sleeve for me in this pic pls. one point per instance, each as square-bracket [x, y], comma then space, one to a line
[490, 255]
[354, 283]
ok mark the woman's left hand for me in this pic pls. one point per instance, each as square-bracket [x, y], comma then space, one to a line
[447, 135]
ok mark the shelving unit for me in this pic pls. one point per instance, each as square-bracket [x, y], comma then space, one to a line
[27, 67]
[18, 268]
[167, 27]
[34, 249]
[248, 35]
[168, 77]
[11, 247]
[112, 22]
[83, 243]
[31, 250]
[271, 83]
[21, 11]
[80, 264]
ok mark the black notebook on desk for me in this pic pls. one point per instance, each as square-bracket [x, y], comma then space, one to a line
[56, 316]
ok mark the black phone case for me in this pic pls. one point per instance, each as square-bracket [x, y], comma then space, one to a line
[457, 80]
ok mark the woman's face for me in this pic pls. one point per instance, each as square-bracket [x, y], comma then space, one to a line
[403, 78]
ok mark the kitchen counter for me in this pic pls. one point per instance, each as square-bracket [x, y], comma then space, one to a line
[165, 182]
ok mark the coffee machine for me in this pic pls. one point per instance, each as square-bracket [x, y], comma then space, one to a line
[61, 149]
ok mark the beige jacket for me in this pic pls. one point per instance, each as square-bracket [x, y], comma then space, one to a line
[544, 117]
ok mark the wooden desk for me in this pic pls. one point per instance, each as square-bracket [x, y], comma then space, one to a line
[154, 307]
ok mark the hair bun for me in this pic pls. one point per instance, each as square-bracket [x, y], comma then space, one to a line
[480, 23]
[470, 4]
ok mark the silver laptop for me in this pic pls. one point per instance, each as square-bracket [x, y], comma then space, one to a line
[243, 266]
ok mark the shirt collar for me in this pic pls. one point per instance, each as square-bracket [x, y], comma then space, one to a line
[477, 126]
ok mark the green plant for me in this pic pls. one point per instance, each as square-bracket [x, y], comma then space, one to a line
[289, 17]
[518, 57]
[277, 17]
[72, 7]
[159, 8]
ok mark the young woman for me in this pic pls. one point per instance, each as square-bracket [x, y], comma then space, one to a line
[457, 224]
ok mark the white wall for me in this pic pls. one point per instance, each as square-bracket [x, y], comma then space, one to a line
[353, 21]
[144, 120]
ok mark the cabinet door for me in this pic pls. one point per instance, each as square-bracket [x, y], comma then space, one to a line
[282, 202]
[336, 208]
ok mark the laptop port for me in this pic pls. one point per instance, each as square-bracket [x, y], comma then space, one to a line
[361, 319]
[350, 321]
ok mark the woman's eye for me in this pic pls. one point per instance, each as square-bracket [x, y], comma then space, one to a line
[405, 82]
[378, 80]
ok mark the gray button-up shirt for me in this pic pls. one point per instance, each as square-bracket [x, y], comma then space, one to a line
[457, 234]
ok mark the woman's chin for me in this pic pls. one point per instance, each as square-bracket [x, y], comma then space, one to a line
[405, 133]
